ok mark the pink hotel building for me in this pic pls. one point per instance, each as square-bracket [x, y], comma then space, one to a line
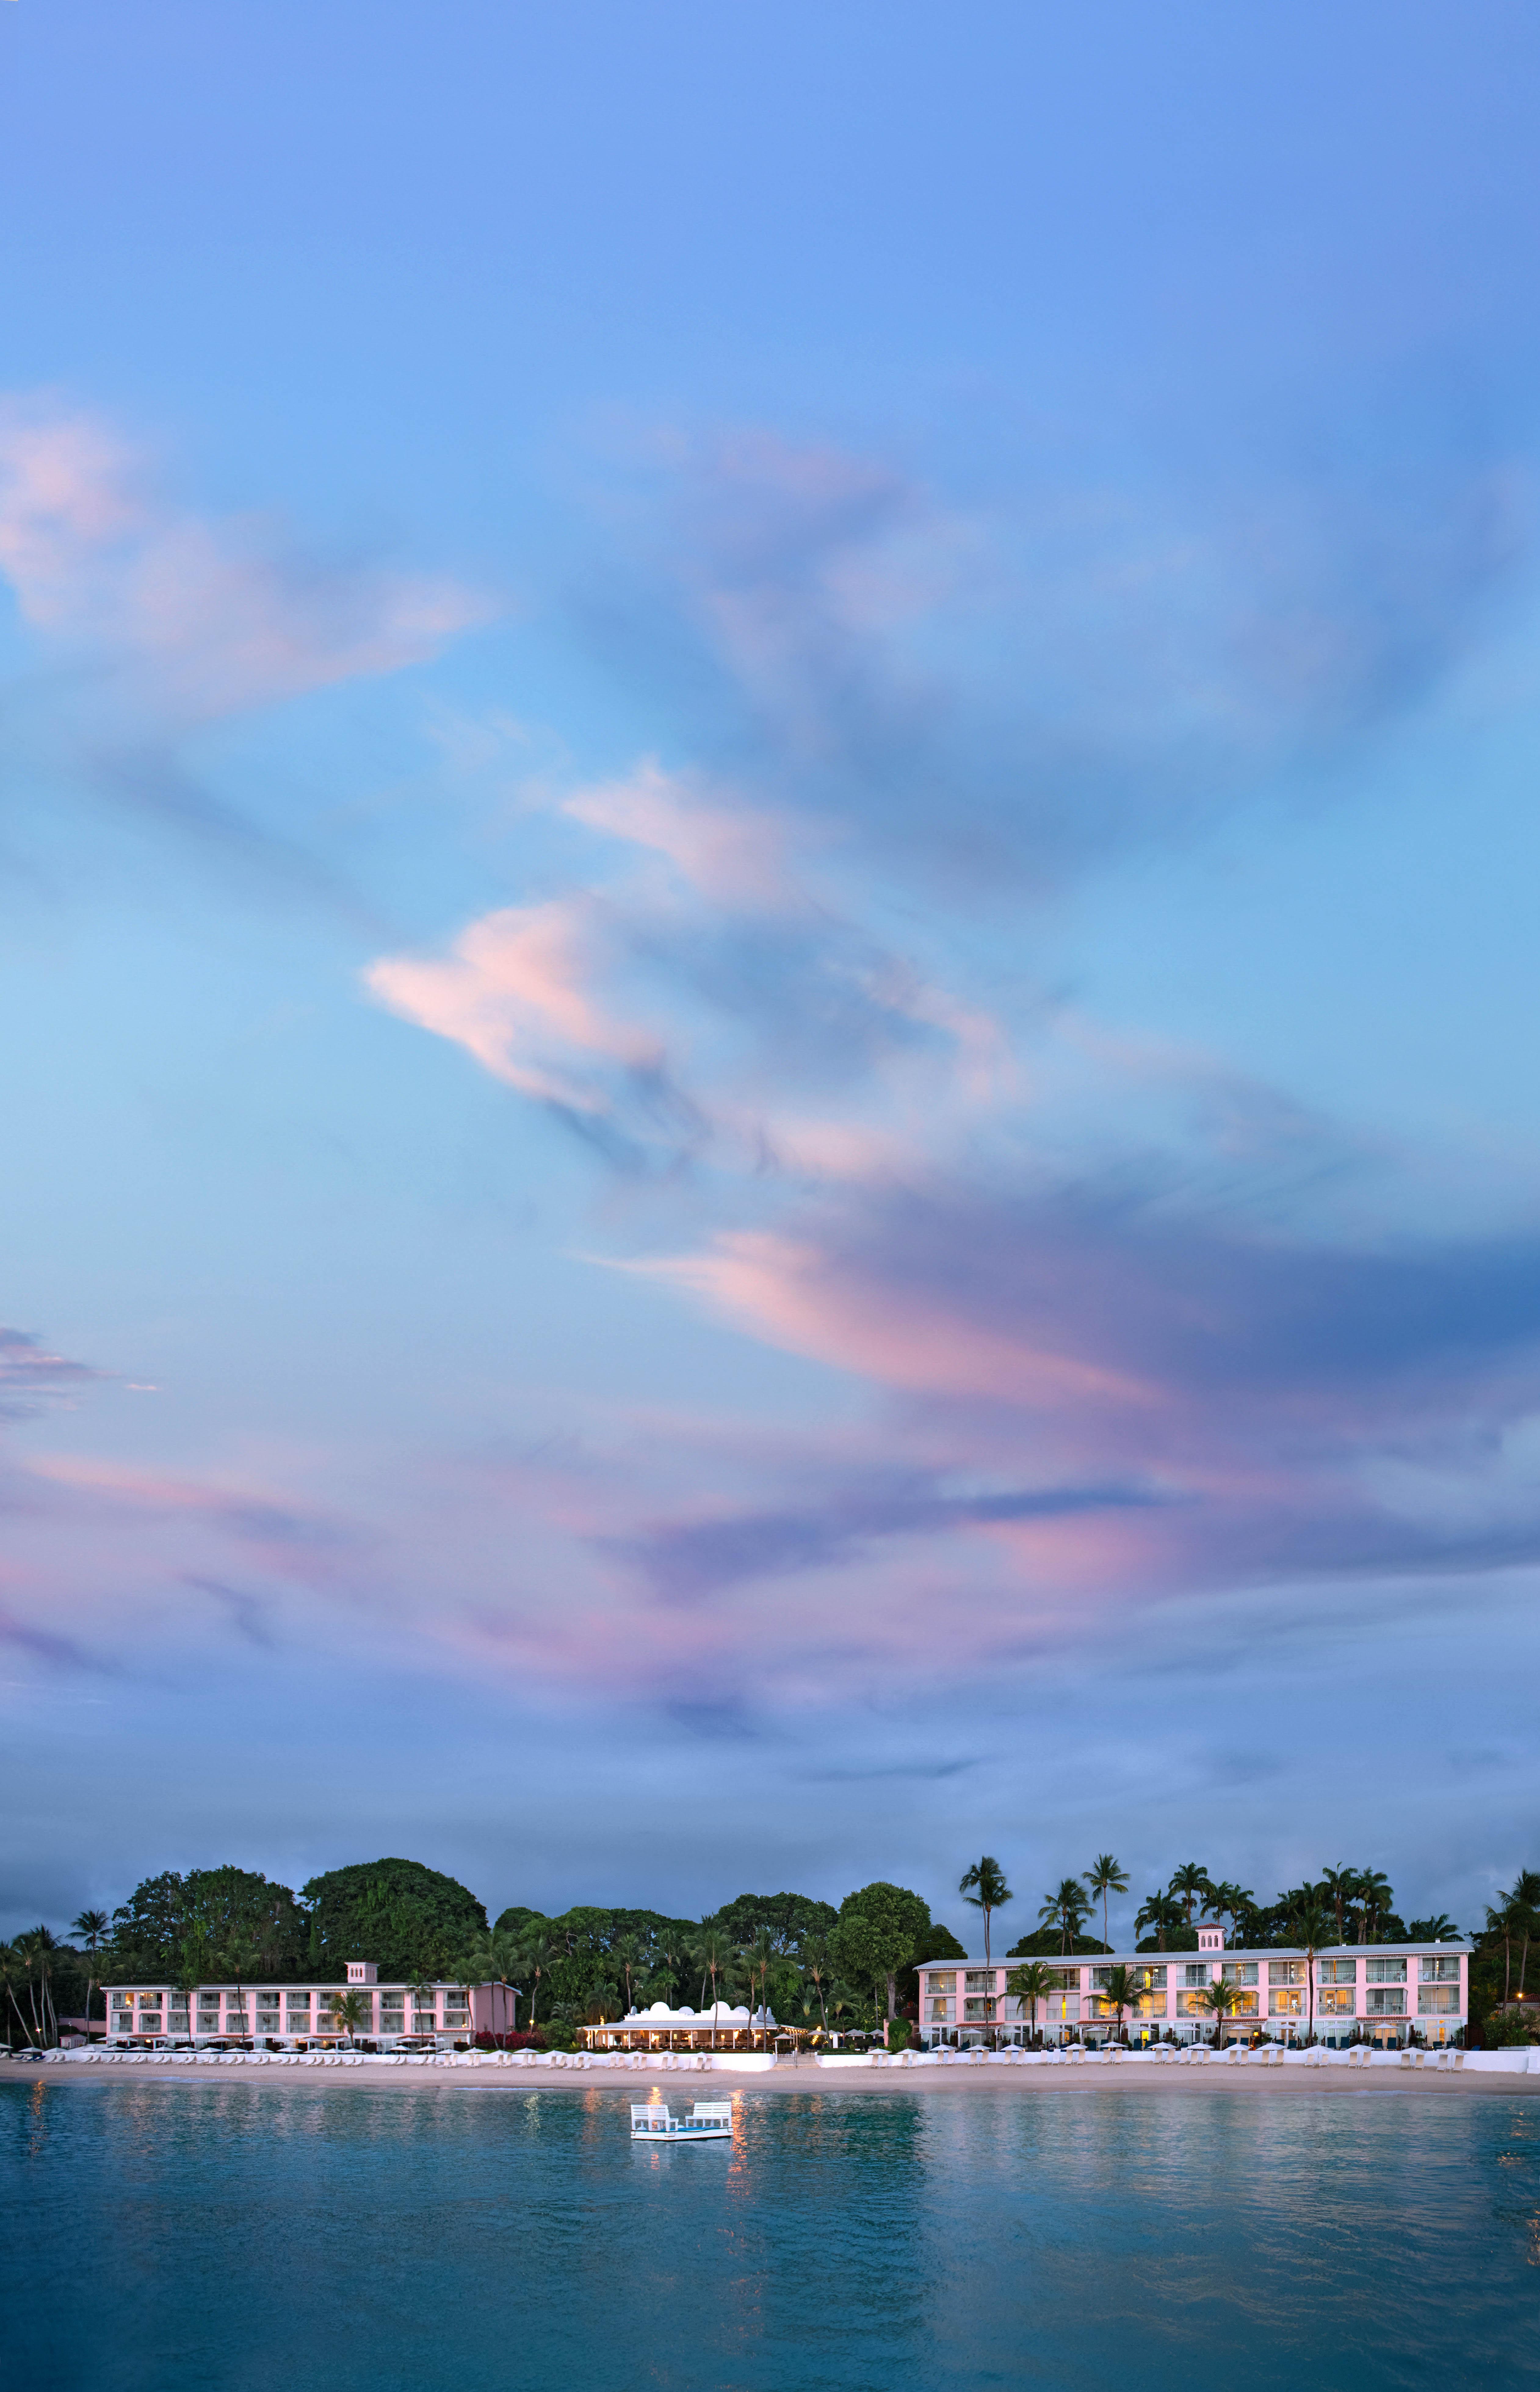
[302, 2014]
[1382, 1992]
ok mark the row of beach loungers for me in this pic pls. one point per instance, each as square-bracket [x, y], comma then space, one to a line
[1270, 2055]
[1167, 2055]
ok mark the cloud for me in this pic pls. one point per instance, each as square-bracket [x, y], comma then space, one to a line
[1068, 666]
[1248, 1402]
[725, 850]
[196, 617]
[518, 992]
[32, 1377]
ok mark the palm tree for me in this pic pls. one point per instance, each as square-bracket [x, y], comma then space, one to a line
[537, 1954]
[349, 2010]
[713, 1957]
[91, 1926]
[1123, 1990]
[1160, 1911]
[1065, 1910]
[37, 1949]
[1033, 1983]
[1102, 1877]
[12, 1966]
[1520, 1901]
[1310, 1924]
[757, 1956]
[630, 1955]
[1377, 1896]
[983, 1886]
[1190, 1883]
[1228, 1900]
[816, 1960]
[1342, 1885]
[1219, 2000]
[1439, 1930]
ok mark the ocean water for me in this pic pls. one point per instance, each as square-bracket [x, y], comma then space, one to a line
[346, 2240]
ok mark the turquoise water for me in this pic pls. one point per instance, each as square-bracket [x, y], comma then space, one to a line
[359, 2241]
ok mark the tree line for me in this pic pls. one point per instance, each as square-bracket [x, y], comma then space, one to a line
[812, 1963]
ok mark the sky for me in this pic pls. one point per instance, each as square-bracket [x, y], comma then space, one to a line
[768, 851]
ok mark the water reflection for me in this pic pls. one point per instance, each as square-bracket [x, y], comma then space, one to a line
[260, 2234]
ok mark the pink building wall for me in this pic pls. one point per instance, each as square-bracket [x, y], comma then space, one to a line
[1280, 1978]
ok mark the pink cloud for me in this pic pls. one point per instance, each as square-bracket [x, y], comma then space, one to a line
[727, 850]
[793, 1293]
[517, 993]
[213, 616]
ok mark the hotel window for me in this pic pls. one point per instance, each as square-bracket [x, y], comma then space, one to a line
[943, 1980]
[1099, 1978]
[1385, 1972]
[1285, 2001]
[1335, 2000]
[980, 1980]
[1439, 1969]
[1286, 1972]
[979, 2009]
[942, 2011]
[1197, 1973]
[1240, 1972]
[1438, 2001]
[1386, 2001]
[1337, 1972]
[1150, 1981]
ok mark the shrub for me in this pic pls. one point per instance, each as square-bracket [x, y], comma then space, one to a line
[898, 2034]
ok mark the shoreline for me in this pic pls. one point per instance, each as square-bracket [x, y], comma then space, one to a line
[680, 2086]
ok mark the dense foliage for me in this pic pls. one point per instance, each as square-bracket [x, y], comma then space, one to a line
[211, 1925]
[812, 1965]
[412, 1920]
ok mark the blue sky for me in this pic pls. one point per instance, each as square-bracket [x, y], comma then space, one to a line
[766, 947]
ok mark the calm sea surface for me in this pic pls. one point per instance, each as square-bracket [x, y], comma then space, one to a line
[278, 2236]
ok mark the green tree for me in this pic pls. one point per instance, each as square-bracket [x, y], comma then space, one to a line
[1375, 1898]
[818, 1961]
[1031, 1985]
[1161, 1912]
[1191, 1883]
[395, 1912]
[714, 1956]
[349, 2010]
[757, 1958]
[1066, 1909]
[876, 1935]
[1123, 1990]
[788, 1918]
[1311, 1924]
[1519, 1904]
[1219, 1999]
[1341, 1887]
[1440, 1929]
[1105, 1877]
[35, 1951]
[983, 1886]
[1232, 1902]
[91, 1926]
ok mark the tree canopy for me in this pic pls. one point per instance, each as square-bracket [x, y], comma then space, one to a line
[215, 1924]
[409, 1919]
[786, 1918]
[876, 1935]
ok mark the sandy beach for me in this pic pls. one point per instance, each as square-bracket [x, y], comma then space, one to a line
[1384, 2078]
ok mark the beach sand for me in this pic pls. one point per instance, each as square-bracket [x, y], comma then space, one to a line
[679, 2087]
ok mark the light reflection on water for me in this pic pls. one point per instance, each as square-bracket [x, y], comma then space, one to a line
[167, 2238]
